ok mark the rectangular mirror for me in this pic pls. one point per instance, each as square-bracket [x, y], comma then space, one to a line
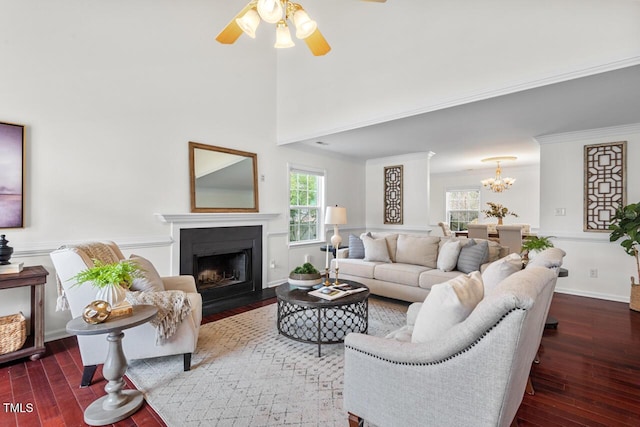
[222, 179]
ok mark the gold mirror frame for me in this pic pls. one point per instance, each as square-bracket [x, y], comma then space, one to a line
[208, 162]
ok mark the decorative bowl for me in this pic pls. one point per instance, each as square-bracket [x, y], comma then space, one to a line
[305, 281]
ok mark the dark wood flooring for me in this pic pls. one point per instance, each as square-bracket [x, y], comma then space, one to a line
[589, 374]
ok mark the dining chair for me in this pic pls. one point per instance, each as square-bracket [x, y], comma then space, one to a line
[446, 230]
[478, 231]
[510, 236]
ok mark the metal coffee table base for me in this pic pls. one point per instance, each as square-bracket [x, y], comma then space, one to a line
[322, 325]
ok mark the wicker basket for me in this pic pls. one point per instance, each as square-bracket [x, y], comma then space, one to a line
[634, 302]
[13, 333]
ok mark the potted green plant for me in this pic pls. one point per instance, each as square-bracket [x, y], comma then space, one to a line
[498, 211]
[305, 276]
[112, 280]
[533, 245]
[626, 224]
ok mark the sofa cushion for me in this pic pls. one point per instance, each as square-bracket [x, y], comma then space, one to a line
[417, 250]
[356, 267]
[448, 256]
[499, 270]
[150, 280]
[432, 277]
[472, 256]
[375, 249]
[496, 251]
[356, 247]
[406, 274]
[447, 305]
[392, 242]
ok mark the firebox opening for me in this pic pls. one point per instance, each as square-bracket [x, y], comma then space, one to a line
[221, 270]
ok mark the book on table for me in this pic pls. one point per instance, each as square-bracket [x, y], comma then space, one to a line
[11, 268]
[336, 291]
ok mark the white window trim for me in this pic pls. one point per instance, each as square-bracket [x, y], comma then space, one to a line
[296, 167]
[461, 188]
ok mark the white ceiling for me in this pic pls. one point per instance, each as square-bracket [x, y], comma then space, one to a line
[506, 125]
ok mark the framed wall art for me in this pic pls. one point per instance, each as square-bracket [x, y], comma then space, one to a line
[11, 175]
[605, 183]
[393, 194]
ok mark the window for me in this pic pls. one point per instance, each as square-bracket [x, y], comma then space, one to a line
[306, 205]
[463, 207]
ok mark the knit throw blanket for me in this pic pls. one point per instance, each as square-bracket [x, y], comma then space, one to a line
[90, 251]
[173, 307]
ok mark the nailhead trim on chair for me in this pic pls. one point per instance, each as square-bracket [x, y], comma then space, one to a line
[437, 362]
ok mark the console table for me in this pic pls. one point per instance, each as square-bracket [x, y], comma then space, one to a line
[36, 278]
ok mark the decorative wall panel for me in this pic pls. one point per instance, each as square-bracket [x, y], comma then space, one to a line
[605, 183]
[393, 194]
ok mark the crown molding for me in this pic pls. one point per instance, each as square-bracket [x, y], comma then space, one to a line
[588, 134]
[474, 97]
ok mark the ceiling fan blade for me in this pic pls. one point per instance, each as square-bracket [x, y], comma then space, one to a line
[317, 43]
[232, 31]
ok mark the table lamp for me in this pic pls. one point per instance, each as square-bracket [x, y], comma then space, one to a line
[335, 215]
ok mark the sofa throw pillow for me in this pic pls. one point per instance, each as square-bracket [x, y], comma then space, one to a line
[472, 256]
[447, 304]
[356, 247]
[417, 250]
[151, 280]
[375, 249]
[499, 270]
[448, 256]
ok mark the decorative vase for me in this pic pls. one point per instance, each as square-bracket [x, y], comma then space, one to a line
[114, 294]
[499, 221]
[5, 251]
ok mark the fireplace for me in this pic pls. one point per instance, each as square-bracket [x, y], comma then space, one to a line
[226, 262]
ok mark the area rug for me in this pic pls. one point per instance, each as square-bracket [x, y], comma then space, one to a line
[245, 374]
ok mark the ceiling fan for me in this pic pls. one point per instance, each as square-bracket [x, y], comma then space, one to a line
[277, 12]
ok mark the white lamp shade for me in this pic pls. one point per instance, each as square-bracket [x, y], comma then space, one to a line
[249, 23]
[304, 25]
[335, 215]
[270, 10]
[283, 36]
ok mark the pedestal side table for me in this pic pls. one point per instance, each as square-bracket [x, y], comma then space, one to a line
[118, 404]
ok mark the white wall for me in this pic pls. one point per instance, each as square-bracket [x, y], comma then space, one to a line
[415, 198]
[562, 183]
[523, 198]
[399, 58]
[111, 92]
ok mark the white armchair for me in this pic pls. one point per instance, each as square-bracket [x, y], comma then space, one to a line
[474, 374]
[140, 342]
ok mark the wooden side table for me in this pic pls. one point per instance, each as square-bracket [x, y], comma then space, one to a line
[36, 278]
[118, 404]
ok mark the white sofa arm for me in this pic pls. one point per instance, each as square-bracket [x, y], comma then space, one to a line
[180, 283]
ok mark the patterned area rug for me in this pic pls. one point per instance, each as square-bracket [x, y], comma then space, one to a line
[245, 374]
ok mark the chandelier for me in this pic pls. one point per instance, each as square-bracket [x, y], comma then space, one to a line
[498, 184]
[277, 12]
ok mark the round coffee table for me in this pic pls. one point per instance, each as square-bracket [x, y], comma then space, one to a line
[306, 318]
[117, 404]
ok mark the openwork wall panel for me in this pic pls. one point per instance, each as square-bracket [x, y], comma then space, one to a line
[393, 194]
[605, 183]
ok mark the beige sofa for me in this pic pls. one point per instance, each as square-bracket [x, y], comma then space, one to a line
[413, 267]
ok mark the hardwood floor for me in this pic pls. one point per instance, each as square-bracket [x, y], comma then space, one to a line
[589, 374]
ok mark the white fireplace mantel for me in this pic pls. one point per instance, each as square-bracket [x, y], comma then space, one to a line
[187, 218]
[197, 220]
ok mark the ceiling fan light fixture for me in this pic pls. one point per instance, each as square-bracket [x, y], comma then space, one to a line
[283, 36]
[249, 22]
[270, 10]
[305, 26]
